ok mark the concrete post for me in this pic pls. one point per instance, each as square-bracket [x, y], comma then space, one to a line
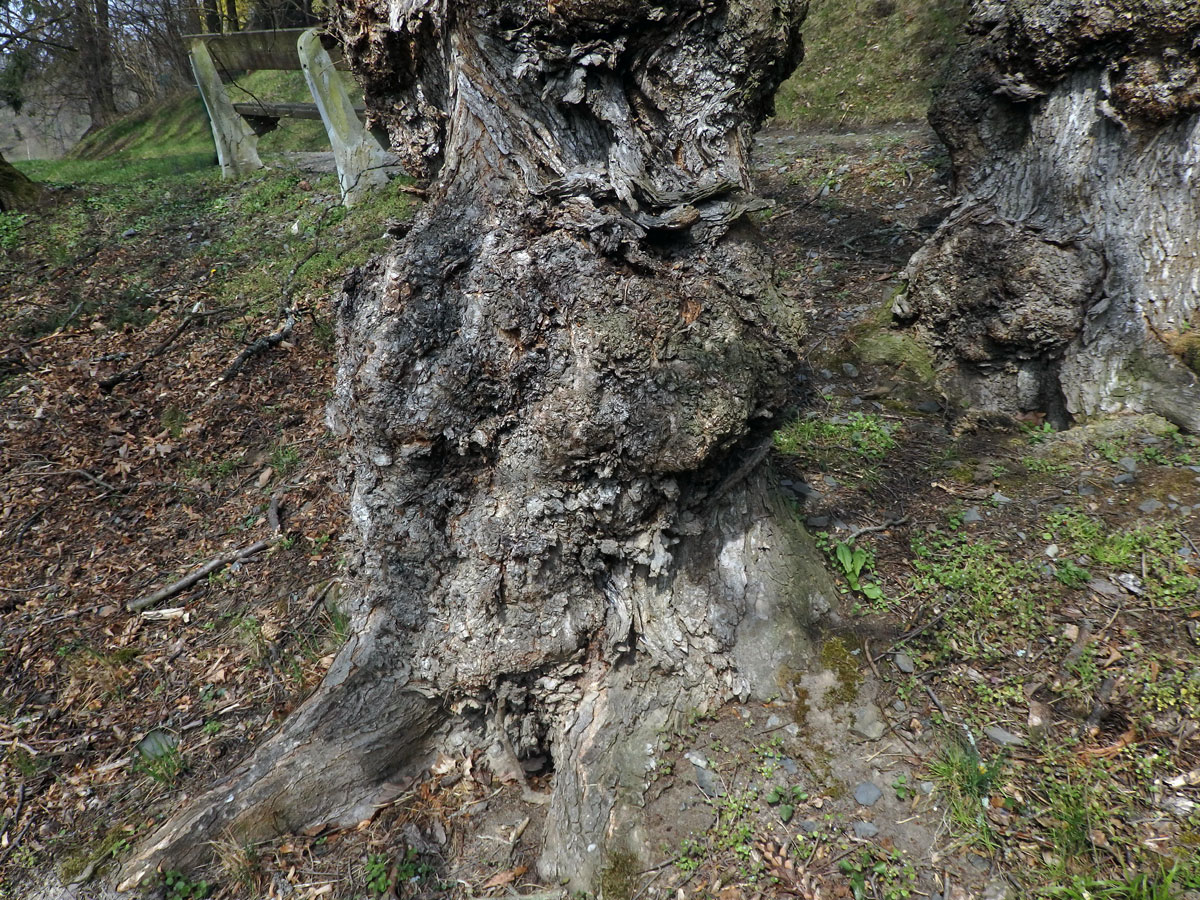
[237, 144]
[359, 158]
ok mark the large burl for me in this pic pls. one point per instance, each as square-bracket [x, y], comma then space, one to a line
[556, 389]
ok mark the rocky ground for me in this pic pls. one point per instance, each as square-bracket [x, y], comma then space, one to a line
[1005, 706]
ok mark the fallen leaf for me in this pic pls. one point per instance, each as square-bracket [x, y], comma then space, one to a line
[500, 879]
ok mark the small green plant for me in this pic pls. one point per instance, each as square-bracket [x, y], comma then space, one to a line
[1070, 574]
[876, 873]
[902, 788]
[284, 460]
[376, 872]
[853, 561]
[1037, 434]
[11, 225]
[786, 799]
[180, 887]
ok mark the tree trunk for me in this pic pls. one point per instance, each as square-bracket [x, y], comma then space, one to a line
[17, 192]
[95, 48]
[1068, 273]
[212, 17]
[557, 391]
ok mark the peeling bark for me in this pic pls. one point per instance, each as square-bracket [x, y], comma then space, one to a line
[1074, 132]
[556, 390]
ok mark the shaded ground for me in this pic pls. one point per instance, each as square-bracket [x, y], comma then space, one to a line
[1010, 707]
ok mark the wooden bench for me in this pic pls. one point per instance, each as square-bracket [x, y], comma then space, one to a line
[361, 161]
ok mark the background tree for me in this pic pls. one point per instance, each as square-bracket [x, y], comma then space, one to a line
[1065, 281]
[556, 390]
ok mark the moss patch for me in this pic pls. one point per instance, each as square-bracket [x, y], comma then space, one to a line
[836, 657]
[620, 876]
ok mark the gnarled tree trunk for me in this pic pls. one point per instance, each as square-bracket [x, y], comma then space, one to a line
[557, 389]
[1065, 277]
[17, 192]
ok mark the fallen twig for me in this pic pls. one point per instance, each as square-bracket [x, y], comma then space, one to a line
[871, 529]
[107, 384]
[263, 343]
[213, 565]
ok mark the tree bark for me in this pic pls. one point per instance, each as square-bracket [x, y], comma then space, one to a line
[17, 192]
[95, 48]
[556, 390]
[1069, 268]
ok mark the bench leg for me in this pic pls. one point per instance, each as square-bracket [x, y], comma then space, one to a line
[237, 144]
[361, 162]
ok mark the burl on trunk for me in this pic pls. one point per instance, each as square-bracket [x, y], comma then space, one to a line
[1067, 279]
[557, 389]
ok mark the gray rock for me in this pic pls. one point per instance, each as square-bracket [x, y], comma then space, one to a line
[928, 406]
[997, 889]
[789, 765]
[808, 826]
[1128, 464]
[972, 516]
[1124, 478]
[864, 830]
[850, 369]
[1149, 439]
[774, 721]
[1087, 490]
[1003, 736]
[867, 794]
[708, 782]
[1149, 506]
[868, 722]
[826, 374]
[817, 521]
[926, 787]
[1000, 498]
[904, 663]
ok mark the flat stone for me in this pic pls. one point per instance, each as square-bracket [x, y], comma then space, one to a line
[864, 830]
[1003, 736]
[826, 374]
[1128, 464]
[867, 794]
[789, 765]
[928, 406]
[1124, 478]
[708, 782]
[850, 369]
[1149, 506]
[817, 521]
[904, 663]
[1087, 490]
[868, 722]
[1000, 498]
[774, 721]
[972, 516]
[808, 826]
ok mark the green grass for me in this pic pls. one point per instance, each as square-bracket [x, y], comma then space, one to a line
[864, 435]
[865, 65]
